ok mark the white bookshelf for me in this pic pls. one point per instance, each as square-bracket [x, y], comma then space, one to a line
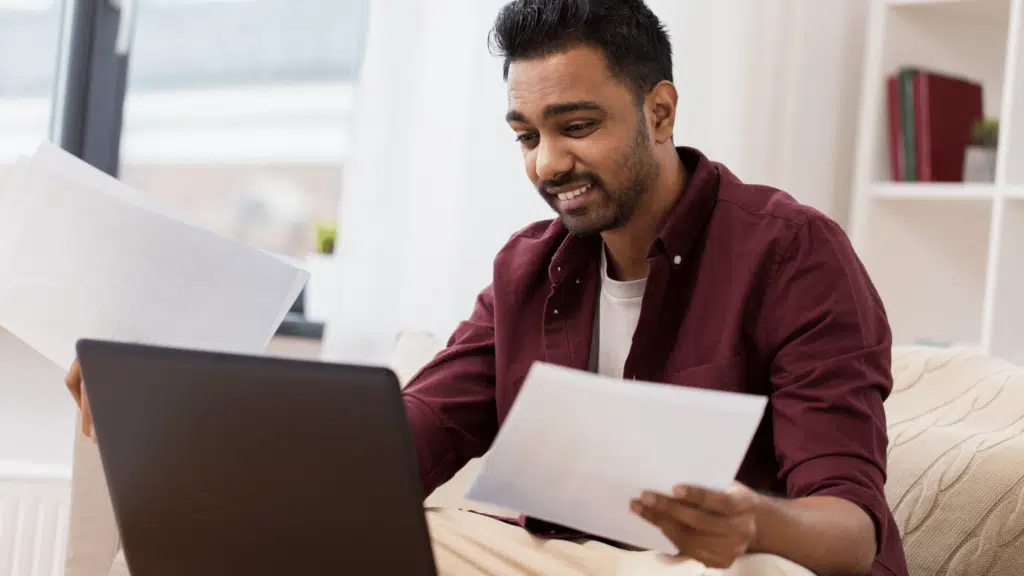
[945, 257]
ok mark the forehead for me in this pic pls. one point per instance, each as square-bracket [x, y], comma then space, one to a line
[578, 74]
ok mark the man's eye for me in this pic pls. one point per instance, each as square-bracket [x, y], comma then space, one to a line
[526, 138]
[579, 127]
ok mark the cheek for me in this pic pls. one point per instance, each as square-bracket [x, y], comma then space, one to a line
[601, 156]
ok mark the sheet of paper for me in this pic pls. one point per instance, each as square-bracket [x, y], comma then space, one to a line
[49, 158]
[577, 448]
[80, 259]
[9, 180]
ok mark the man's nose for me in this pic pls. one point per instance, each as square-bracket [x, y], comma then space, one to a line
[553, 162]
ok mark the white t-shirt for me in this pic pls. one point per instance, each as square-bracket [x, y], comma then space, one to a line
[618, 313]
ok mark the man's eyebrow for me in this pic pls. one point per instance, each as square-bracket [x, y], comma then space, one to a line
[568, 107]
[557, 110]
[515, 116]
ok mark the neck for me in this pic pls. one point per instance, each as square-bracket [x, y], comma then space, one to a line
[628, 245]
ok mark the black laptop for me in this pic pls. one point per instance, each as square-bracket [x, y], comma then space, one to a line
[227, 464]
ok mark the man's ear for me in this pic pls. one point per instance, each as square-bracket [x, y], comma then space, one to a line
[662, 102]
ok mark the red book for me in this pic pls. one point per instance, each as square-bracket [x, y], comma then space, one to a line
[945, 110]
[897, 164]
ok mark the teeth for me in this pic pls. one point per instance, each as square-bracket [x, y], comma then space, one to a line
[573, 193]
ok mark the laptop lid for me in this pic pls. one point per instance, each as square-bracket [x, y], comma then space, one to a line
[227, 464]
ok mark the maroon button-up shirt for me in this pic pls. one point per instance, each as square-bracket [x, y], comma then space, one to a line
[749, 291]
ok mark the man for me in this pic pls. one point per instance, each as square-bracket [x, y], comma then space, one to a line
[663, 266]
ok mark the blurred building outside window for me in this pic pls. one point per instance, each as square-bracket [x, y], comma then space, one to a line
[29, 40]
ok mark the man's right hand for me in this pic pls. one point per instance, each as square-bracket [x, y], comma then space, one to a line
[74, 383]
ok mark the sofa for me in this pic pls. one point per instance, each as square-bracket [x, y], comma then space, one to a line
[955, 484]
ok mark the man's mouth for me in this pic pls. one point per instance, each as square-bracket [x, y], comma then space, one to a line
[564, 196]
[574, 199]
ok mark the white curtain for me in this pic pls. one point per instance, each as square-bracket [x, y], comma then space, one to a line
[435, 184]
[771, 89]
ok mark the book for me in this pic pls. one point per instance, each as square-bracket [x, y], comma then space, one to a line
[897, 157]
[908, 122]
[945, 108]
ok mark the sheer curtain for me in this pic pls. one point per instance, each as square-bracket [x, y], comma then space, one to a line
[435, 184]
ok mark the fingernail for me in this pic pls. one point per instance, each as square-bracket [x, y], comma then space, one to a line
[648, 499]
[680, 491]
[636, 507]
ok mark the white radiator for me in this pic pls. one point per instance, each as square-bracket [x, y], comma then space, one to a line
[34, 507]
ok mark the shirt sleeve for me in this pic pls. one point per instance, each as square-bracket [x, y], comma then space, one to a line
[450, 402]
[832, 345]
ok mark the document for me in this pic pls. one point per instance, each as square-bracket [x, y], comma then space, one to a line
[577, 448]
[82, 255]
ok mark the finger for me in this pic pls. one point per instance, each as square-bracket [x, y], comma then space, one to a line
[736, 500]
[656, 516]
[73, 381]
[678, 533]
[712, 550]
[691, 516]
[713, 559]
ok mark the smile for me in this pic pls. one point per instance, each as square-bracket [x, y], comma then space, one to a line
[573, 193]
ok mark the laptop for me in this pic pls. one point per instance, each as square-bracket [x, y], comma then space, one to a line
[229, 464]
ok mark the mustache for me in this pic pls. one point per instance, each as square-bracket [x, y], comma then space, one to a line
[546, 186]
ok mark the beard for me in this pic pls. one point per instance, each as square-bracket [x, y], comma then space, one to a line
[610, 208]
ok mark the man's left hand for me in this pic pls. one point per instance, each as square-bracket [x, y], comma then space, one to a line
[714, 528]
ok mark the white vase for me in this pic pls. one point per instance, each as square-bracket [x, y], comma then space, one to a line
[979, 164]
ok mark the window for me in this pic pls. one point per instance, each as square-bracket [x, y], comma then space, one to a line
[29, 41]
[236, 113]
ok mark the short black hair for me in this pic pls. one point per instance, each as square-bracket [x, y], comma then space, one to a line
[634, 41]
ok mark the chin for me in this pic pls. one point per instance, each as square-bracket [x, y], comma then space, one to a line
[584, 226]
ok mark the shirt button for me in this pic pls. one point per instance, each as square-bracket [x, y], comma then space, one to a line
[577, 280]
[678, 259]
[555, 311]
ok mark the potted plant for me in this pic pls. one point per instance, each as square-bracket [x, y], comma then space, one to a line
[980, 155]
[321, 289]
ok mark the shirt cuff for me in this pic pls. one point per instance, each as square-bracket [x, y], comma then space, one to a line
[852, 479]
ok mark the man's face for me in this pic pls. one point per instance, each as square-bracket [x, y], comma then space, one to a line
[583, 136]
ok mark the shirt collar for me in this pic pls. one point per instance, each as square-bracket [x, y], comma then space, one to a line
[682, 226]
[686, 220]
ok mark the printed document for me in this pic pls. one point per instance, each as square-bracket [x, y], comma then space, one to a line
[82, 255]
[577, 448]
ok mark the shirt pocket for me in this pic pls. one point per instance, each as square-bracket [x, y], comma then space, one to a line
[728, 375]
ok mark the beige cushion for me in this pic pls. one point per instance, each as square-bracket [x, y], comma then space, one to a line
[956, 461]
[413, 349]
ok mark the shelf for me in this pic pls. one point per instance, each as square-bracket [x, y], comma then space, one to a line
[943, 255]
[1007, 335]
[935, 191]
[995, 10]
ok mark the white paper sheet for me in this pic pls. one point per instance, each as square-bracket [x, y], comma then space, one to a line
[49, 158]
[577, 448]
[82, 256]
